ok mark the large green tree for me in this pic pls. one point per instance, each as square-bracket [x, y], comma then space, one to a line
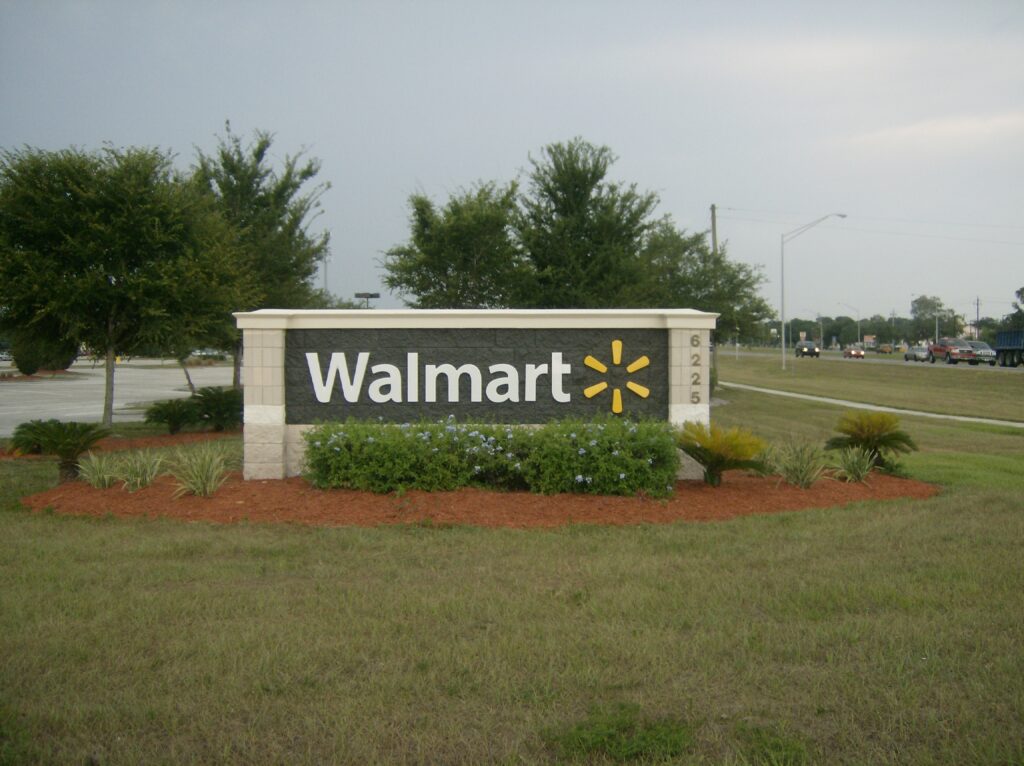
[580, 233]
[272, 210]
[111, 250]
[680, 270]
[461, 256]
[570, 239]
[928, 312]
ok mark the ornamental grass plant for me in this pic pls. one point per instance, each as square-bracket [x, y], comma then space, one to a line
[800, 463]
[199, 470]
[852, 465]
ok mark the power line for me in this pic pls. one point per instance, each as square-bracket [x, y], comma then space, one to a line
[917, 235]
[885, 220]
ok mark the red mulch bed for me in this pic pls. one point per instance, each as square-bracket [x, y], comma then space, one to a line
[295, 501]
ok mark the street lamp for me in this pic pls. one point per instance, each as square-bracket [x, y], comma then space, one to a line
[782, 271]
[859, 339]
[366, 297]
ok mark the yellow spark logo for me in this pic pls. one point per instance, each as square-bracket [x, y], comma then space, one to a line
[595, 364]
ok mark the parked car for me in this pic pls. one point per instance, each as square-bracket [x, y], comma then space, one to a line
[916, 354]
[983, 352]
[807, 348]
[951, 351]
[853, 352]
[5, 355]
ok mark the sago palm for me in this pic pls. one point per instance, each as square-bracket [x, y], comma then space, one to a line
[878, 433]
[718, 450]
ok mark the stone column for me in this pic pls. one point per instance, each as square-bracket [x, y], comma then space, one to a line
[263, 378]
[689, 370]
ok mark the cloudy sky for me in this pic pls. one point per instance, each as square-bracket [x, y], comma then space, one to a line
[908, 116]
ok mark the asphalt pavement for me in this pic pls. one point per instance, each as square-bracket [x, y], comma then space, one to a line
[78, 393]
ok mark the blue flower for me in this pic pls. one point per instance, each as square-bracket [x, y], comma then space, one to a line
[582, 451]
[579, 478]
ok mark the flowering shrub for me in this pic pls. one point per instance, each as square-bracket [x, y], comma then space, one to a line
[610, 456]
[603, 457]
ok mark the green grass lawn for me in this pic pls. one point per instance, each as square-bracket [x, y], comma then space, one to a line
[881, 633]
[952, 390]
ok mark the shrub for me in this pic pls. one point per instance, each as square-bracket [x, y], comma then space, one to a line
[719, 450]
[853, 464]
[100, 470]
[65, 440]
[138, 468]
[219, 408]
[876, 432]
[174, 413]
[800, 463]
[199, 470]
[34, 351]
[27, 437]
[611, 456]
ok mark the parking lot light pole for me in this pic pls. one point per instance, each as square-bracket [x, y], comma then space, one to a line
[782, 270]
[366, 298]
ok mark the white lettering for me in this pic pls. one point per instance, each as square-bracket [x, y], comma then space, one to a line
[387, 388]
[412, 367]
[431, 372]
[350, 385]
[506, 387]
[558, 371]
[533, 373]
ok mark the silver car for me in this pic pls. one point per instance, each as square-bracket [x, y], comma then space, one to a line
[983, 352]
[916, 354]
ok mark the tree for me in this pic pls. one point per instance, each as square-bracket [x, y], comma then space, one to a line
[928, 312]
[1015, 319]
[110, 250]
[680, 270]
[271, 214]
[581, 235]
[461, 256]
[571, 240]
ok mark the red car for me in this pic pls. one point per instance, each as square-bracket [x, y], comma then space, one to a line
[951, 351]
[852, 352]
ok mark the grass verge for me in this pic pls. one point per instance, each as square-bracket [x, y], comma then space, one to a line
[877, 633]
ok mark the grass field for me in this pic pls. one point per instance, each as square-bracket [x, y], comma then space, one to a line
[884, 633]
[948, 389]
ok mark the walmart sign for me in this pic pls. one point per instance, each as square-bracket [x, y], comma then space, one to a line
[484, 374]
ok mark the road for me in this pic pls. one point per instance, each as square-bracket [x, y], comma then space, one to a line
[78, 394]
[725, 352]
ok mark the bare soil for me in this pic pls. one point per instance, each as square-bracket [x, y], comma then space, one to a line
[294, 501]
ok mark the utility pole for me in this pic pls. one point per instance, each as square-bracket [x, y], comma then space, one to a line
[714, 231]
[977, 315]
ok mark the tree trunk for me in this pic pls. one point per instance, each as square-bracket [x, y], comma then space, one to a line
[108, 394]
[188, 378]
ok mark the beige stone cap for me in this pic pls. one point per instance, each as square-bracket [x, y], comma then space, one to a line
[295, 319]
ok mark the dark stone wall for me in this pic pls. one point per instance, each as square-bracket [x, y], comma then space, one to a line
[481, 347]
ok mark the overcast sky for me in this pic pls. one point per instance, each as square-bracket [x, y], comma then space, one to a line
[906, 116]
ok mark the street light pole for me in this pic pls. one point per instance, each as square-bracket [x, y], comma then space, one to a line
[789, 235]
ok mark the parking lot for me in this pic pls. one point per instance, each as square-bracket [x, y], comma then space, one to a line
[78, 393]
